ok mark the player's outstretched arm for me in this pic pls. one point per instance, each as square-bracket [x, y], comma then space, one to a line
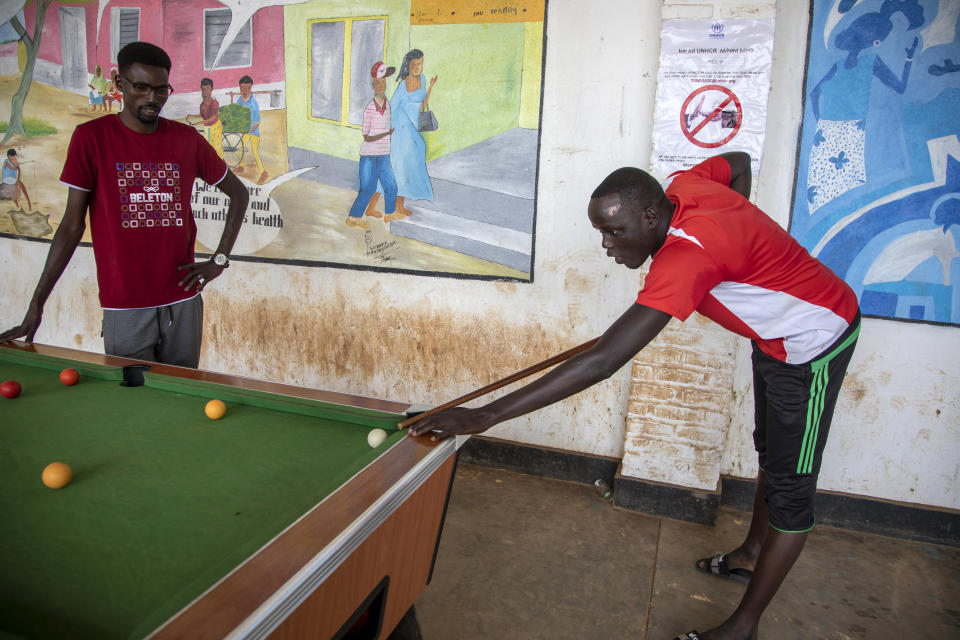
[741, 174]
[65, 241]
[629, 334]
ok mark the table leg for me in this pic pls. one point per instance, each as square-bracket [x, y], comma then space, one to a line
[408, 628]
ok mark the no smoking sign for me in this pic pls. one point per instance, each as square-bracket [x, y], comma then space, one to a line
[711, 116]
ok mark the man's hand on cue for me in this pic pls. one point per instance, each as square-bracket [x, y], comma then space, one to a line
[452, 422]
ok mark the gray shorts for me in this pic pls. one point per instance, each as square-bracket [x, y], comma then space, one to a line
[170, 334]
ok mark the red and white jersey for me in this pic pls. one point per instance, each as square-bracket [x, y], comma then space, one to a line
[140, 218]
[726, 259]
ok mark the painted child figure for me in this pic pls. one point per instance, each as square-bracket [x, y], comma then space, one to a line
[12, 181]
[375, 155]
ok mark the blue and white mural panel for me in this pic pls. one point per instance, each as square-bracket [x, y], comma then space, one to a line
[877, 196]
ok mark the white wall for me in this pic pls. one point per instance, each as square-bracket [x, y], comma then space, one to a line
[427, 340]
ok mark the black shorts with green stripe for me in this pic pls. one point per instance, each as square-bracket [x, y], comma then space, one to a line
[793, 408]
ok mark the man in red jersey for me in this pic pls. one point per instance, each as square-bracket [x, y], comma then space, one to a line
[716, 253]
[135, 172]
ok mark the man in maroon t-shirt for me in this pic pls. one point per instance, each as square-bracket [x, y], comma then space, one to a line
[135, 172]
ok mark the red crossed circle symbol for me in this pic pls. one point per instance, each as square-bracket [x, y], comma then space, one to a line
[690, 134]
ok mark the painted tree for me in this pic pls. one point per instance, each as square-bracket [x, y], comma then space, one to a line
[32, 46]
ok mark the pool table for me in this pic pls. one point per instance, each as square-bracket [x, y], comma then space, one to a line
[277, 520]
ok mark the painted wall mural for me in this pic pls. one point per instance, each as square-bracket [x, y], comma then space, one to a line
[877, 194]
[280, 88]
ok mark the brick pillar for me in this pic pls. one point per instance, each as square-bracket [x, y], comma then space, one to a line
[680, 405]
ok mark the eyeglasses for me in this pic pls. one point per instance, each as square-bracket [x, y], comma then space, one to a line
[143, 88]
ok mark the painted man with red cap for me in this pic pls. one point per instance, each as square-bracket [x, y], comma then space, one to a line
[375, 155]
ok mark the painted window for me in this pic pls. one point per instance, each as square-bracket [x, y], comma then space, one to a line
[124, 28]
[216, 22]
[342, 51]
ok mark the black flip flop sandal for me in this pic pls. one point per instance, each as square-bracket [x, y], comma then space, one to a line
[717, 565]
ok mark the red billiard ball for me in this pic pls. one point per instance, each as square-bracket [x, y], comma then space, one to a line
[69, 377]
[10, 389]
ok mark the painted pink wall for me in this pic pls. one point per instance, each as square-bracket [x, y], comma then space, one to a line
[50, 40]
[177, 26]
[184, 25]
[98, 48]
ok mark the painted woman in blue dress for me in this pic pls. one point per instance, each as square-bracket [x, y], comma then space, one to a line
[408, 151]
[859, 135]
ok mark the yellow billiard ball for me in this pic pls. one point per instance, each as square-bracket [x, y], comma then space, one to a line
[56, 475]
[215, 409]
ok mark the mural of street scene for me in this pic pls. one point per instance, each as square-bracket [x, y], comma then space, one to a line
[878, 182]
[290, 93]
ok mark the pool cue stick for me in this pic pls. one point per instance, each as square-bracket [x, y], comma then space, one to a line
[493, 386]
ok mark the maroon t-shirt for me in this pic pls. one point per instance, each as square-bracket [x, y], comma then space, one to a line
[140, 217]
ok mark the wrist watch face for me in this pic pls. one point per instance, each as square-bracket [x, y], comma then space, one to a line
[220, 260]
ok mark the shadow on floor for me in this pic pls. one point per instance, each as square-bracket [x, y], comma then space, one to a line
[526, 558]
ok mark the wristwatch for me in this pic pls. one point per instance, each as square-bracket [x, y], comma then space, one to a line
[221, 261]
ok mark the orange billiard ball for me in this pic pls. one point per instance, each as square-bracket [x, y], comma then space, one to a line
[56, 475]
[215, 409]
[69, 377]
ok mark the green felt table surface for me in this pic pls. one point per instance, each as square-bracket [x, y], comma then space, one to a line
[164, 502]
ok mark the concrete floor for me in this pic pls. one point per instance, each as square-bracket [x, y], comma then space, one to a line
[527, 558]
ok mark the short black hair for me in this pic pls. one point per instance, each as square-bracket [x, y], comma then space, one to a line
[632, 184]
[11, 152]
[143, 53]
[206, 82]
[246, 80]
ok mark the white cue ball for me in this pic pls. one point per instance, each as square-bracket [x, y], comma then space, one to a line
[376, 437]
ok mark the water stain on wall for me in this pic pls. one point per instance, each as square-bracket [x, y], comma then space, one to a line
[506, 288]
[344, 343]
[854, 387]
[82, 316]
[577, 286]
